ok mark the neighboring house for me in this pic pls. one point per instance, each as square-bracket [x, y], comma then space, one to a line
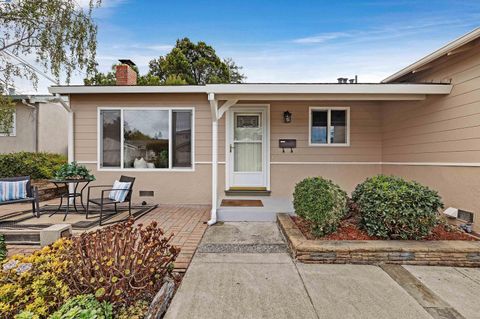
[39, 126]
[422, 123]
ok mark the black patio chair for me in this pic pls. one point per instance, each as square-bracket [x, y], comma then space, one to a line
[32, 194]
[104, 200]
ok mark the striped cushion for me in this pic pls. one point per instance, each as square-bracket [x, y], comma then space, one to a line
[119, 195]
[13, 190]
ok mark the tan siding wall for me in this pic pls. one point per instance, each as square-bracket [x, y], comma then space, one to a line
[365, 146]
[170, 187]
[194, 187]
[365, 137]
[440, 129]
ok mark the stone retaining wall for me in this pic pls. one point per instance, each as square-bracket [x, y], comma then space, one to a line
[439, 253]
[47, 191]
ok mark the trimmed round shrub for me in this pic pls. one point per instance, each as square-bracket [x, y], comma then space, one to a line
[392, 207]
[320, 202]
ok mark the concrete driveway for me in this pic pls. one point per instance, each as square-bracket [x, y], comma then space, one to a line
[242, 270]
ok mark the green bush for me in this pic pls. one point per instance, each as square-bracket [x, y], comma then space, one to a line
[35, 165]
[3, 248]
[321, 202]
[394, 208]
[84, 306]
[73, 171]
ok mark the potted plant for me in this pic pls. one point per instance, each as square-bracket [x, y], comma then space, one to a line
[72, 171]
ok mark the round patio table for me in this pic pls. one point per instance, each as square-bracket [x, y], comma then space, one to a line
[70, 194]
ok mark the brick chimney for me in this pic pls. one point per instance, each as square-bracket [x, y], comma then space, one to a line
[125, 74]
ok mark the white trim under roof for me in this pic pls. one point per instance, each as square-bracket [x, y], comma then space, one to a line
[445, 50]
[239, 89]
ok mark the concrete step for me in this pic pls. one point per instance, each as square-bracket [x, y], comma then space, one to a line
[246, 214]
[245, 192]
[21, 237]
[267, 213]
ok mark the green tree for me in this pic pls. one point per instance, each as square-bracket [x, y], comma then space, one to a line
[186, 63]
[195, 64]
[59, 34]
[7, 108]
[99, 78]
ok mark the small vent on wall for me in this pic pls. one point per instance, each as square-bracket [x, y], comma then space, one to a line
[466, 216]
[146, 193]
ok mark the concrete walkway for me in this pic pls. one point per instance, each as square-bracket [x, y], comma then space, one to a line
[242, 270]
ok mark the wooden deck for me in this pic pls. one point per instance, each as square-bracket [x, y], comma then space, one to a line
[187, 222]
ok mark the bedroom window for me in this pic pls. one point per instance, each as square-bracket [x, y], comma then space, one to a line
[153, 138]
[329, 126]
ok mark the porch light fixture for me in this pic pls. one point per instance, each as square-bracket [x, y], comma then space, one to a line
[287, 117]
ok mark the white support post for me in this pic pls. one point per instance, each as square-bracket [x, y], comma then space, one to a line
[70, 137]
[70, 140]
[214, 109]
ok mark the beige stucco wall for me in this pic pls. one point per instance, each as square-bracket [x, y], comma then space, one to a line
[24, 140]
[52, 128]
[440, 130]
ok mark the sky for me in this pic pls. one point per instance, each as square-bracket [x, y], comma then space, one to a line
[283, 40]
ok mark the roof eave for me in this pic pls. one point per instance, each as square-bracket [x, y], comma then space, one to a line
[465, 39]
[249, 89]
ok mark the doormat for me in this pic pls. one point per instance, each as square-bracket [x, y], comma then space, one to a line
[241, 203]
[25, 219]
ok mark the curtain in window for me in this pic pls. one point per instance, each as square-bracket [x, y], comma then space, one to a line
[248, 136]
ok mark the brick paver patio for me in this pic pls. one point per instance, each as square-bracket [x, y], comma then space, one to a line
[187, 222]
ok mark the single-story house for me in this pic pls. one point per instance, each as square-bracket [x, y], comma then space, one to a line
[39, 125]
[202, 144]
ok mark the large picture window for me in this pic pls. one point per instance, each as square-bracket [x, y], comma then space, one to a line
[329, 126]
[153, 138]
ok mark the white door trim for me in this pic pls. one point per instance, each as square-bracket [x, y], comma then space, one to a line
[228, 136]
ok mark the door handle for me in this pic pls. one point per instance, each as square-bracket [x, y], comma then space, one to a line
[231, 148]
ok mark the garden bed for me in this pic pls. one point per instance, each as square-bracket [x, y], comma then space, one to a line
[120, 271]
[333, 250]
[349, 229]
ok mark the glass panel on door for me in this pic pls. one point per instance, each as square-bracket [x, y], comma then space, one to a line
[247, 142]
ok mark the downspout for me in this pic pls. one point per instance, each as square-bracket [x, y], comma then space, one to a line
[35, 121]
[214, 109]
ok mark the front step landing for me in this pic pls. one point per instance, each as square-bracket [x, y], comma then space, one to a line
[240, 237]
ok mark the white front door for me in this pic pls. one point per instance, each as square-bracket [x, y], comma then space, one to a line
[247, 148]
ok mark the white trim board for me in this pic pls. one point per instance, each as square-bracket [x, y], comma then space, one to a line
[337, 163]
[382, 163]
[265, 88]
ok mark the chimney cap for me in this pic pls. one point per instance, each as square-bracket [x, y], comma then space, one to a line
[127, 62]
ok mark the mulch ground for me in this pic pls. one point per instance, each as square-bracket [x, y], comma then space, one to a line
[349, 229]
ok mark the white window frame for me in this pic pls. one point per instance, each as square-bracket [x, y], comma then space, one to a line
[329, 109]
[122, 137]
[14, 126]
